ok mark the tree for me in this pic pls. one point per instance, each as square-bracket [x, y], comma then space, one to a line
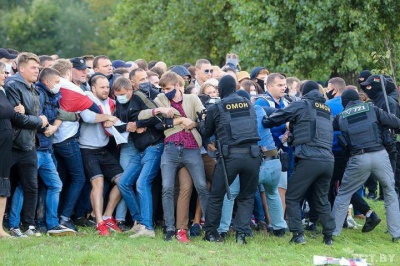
[66, 28]
[174, 31]
[313, 38]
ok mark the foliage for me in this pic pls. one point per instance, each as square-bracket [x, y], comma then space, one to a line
[66, 28]
[312, 38]
[173, 31]
[309, 39]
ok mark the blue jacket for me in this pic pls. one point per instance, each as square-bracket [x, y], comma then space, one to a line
[265, 133]
[336, 108]
[49, 104]
[278, 130]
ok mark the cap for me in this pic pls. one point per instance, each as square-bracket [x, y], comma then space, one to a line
[371, 79]
[181, 71]
[6, 54]
[120, 64]
[78, 63]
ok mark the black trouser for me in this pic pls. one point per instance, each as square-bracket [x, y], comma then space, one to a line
[309, 173]
[26, 163]
[248, 168]
[372, 184]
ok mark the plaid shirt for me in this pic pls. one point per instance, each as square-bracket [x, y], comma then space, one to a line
[183, 137]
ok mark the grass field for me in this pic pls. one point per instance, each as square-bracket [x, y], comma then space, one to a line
[88, 248]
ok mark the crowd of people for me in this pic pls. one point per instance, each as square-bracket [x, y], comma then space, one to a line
[119, 146]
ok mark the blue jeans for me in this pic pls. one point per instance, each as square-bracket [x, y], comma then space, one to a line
[227, 206]
[16, 207]
[259, 213]
[128, 151]
[48, 173]
[270, 174]
[142, 169]
[172, 157]
[69, 153]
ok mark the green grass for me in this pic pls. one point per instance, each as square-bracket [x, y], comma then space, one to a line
[87, 248]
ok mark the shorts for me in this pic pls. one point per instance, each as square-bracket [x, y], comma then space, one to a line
[100, 162]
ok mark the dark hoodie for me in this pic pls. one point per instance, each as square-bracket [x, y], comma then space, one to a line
[24, 125]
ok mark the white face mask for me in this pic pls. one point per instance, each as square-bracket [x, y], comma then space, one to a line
[56, 88]
[253, 93]
[91, 71]
[8, 68]
[122, 99]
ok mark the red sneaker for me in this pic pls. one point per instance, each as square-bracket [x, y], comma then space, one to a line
[111, 223]
[103, 229]
[181, 236]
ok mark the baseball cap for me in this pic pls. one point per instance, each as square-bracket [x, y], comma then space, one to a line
[372, 79]
[78, 63]
[120, 63]
[6, 54]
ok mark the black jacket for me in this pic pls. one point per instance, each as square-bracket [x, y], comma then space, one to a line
[129, 112]
[24, 125]
[292, 113]
[6, 113]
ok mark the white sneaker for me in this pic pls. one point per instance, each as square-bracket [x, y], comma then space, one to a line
[352, 224]
[32, 231]
[143, 231]
[16, 232]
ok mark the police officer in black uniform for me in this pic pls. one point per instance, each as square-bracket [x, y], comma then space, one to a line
[362, 125]
[233, 121]
[312, 132]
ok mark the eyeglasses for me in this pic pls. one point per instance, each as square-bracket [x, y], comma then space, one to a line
[206, 71]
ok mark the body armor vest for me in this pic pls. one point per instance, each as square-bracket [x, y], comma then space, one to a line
[314, 127]
[238, 122]
[360, 127]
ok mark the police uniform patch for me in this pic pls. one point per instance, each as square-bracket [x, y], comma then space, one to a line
[322, 107]
[361, 108]
[238, 109]
[322, 110]
[240, 106]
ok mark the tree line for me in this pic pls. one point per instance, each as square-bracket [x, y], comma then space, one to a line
[309, 39]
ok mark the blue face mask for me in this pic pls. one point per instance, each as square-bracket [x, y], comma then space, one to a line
[170, 95]
[145, 86]
[122, 99]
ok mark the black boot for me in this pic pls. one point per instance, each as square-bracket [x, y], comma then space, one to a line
[371, 222]
[213, 236]
[298, 238]
[241, 238]
[328, 240]
[279, 232]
